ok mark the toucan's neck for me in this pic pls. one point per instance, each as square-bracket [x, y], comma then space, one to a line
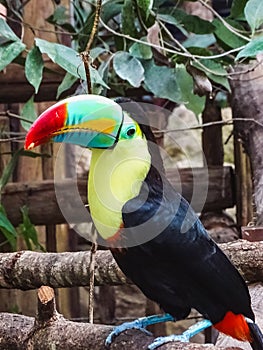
[115, 177]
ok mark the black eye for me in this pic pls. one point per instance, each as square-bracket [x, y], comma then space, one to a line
[131, 132]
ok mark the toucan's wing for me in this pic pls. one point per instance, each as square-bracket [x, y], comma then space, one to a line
[180, 257]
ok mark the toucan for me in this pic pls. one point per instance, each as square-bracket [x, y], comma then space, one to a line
[153, 233]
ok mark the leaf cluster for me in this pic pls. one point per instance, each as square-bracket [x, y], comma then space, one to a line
[26, 229]
[142, 44]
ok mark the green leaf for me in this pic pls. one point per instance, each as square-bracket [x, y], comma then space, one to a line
[128, 68]
[110, 9]
[96, 78]
[6, 33]
[9, 168]
[197, 25]
[96, 52]
[167, 18]
[254, 47]
[128, 17]
[28, 231]
[229, 39]
[185, 81]
[9, 51]
[64, 56]
[142, 51]
[197, 40]
[69, 60]
[34, 67]
[28, 111]
[145, 6]
[191, 23]
[59, 17]
[218, 75]
[7, 228]
[237, 9]
[254, 14]
[66, 83]
[161, 81]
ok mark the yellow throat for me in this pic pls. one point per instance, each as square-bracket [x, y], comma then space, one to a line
[116, 176]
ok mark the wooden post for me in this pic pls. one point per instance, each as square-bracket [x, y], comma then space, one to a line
[246, 102]
[212, 137]
[244, 208]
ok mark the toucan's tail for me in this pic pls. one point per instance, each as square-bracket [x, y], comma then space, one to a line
[257, 336]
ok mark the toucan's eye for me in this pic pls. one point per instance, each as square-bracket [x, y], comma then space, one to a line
[131, 131]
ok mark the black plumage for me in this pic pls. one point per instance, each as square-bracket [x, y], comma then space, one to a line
[179, 266]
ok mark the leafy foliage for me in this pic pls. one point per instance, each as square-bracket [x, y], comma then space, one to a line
[141, 44]
[129, 52]
[253, 48]
[34, 67]
[26, 229]
[128, 68]
[28, 111]
[161, 80]
[254, 14]
[7, 228]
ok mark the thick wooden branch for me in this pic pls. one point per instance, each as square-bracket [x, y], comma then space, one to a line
[29, 270]
[247, 94]
[19, 332]
[41, 200]
[51, 330]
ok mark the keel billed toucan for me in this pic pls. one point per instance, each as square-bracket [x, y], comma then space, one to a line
[153, 233]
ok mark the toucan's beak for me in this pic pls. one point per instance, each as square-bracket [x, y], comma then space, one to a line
[87, 120]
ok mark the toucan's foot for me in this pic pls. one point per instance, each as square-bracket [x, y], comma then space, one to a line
[124, 327]
[163, 340]
[184, 337]
[140, 323]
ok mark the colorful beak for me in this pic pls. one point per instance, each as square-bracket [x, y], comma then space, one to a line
[87, 120]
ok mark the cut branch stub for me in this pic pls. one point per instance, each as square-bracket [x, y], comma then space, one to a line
[46, 308]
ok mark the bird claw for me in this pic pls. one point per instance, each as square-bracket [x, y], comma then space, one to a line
[164, 340]
[137, 324]
[184, 337]
[141, 323]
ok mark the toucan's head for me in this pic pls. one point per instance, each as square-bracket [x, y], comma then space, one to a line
[87, 120]
[123, 157]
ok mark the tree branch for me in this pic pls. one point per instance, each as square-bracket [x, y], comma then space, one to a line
[51, 330]
[19, 332]
[29, 270]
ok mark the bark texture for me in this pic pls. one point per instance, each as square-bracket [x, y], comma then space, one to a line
[50, 330]
[247, 99]
[29, 270]
[19, 332]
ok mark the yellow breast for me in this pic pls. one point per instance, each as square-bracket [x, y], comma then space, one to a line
[116, 176]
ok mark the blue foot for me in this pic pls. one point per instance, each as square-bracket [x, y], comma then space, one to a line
[184, 337]
[140, 323]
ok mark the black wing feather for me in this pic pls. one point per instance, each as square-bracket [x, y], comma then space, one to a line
[180, 267]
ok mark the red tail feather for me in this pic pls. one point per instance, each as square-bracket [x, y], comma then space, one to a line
[235, 326]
